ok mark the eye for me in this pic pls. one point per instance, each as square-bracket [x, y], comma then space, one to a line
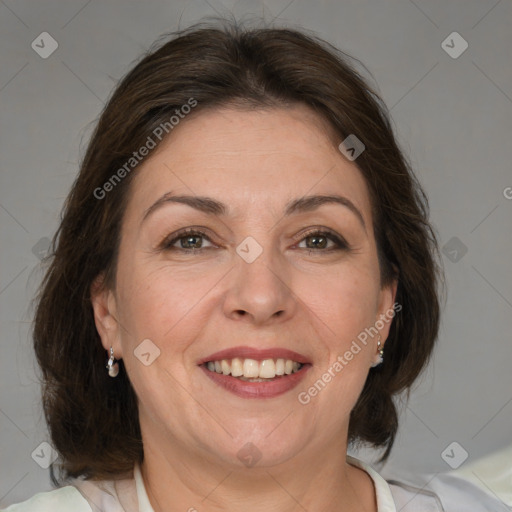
[192, 240]
[189, 240]
[319, 241]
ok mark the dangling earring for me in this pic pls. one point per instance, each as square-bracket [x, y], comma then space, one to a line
[380, 358]
[112, 365]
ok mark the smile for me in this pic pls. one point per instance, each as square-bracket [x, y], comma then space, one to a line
[252, 370]
[254, 373]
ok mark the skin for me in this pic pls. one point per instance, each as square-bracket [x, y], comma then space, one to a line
[192, 305]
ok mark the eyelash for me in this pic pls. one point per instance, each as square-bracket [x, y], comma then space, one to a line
[340, 243]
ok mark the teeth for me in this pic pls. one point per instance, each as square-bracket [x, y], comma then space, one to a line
[236, 367]
[251, 368]
[255, 371]
[226, 369]
[267, 369]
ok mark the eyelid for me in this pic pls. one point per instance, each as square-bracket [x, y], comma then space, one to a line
[170, 240]
[321, 230]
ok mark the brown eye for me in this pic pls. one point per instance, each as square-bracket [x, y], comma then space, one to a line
[191, 242]
[187, 240]
[318, 241]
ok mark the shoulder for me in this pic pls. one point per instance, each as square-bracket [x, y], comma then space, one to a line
[82, 495]
[60, 500]
[444, 493]
[483, 485]
[452, 491]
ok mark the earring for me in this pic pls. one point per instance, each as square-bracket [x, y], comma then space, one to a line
[112, 365]
[380, 358]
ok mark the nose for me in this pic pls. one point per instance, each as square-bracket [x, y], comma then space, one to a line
[260, 292]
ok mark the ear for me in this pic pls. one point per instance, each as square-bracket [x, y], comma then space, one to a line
[387, 308]
[105, 316]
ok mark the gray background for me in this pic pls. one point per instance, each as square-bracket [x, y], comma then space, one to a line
[453, 116]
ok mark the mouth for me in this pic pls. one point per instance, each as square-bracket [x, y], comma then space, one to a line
[253, 373]
[251, 370]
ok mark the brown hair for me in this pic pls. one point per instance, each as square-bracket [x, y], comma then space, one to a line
[93, 419]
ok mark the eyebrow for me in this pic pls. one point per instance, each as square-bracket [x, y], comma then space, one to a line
[211, 206]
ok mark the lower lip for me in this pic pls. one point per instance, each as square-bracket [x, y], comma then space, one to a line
[246, 389]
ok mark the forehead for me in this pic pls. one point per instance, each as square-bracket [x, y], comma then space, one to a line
[250, 157]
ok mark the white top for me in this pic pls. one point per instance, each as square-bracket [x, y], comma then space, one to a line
[452, 494]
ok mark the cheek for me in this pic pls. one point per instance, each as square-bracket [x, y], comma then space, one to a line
[345, 300]
[163, 302]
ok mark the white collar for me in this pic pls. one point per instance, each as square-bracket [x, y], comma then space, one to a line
[142, 496]
[385, 501]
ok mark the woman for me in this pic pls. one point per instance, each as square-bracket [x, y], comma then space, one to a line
[243, 279]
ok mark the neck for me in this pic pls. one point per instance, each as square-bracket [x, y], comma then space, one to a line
[178, 480]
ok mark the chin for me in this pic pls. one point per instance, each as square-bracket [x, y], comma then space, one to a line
[262, 446]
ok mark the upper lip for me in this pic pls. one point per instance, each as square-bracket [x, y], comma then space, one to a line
[245, 352]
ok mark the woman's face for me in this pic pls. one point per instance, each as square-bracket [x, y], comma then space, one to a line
[270, 276]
